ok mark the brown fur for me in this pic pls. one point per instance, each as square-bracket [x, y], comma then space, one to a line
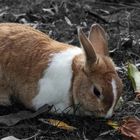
[23, 57]
[25, 53]
[98, 70]
[99, 75]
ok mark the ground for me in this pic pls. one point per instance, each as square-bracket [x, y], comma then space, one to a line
[60, 19]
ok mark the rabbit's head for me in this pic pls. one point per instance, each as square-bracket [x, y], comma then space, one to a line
[97, 87]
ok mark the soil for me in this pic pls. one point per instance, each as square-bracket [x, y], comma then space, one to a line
[60, 19]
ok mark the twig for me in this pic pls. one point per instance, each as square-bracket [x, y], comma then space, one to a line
[31, 137]
[118, 4]
[96, 16]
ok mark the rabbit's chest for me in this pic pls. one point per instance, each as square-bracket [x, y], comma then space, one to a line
[54, 86]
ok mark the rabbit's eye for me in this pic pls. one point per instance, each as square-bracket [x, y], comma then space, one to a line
[96, 92]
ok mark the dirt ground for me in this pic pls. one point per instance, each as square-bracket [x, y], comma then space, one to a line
[60, 19]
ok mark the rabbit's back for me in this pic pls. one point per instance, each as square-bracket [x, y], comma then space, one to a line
[25, 54]
[26, 50]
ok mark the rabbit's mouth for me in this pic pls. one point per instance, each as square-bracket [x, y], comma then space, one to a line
[84, 111]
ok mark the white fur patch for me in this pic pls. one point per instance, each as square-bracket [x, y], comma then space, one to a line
[55, 84]
[114, 88]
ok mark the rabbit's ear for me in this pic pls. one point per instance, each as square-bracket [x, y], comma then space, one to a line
[87, 46]
[98, 38]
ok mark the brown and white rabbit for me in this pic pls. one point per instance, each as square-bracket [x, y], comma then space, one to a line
[38, 70]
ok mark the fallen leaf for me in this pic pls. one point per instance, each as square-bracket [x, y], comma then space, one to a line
[10, 138]
[49, 10]
[113, 124]
[58, 124]
[68, 21]
[134, 76]
[14, 118]
[119, 103]
[131, 127]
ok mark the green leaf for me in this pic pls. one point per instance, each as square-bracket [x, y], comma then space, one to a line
[134, 76]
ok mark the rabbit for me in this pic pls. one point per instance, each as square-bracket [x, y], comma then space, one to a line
[37, 70]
